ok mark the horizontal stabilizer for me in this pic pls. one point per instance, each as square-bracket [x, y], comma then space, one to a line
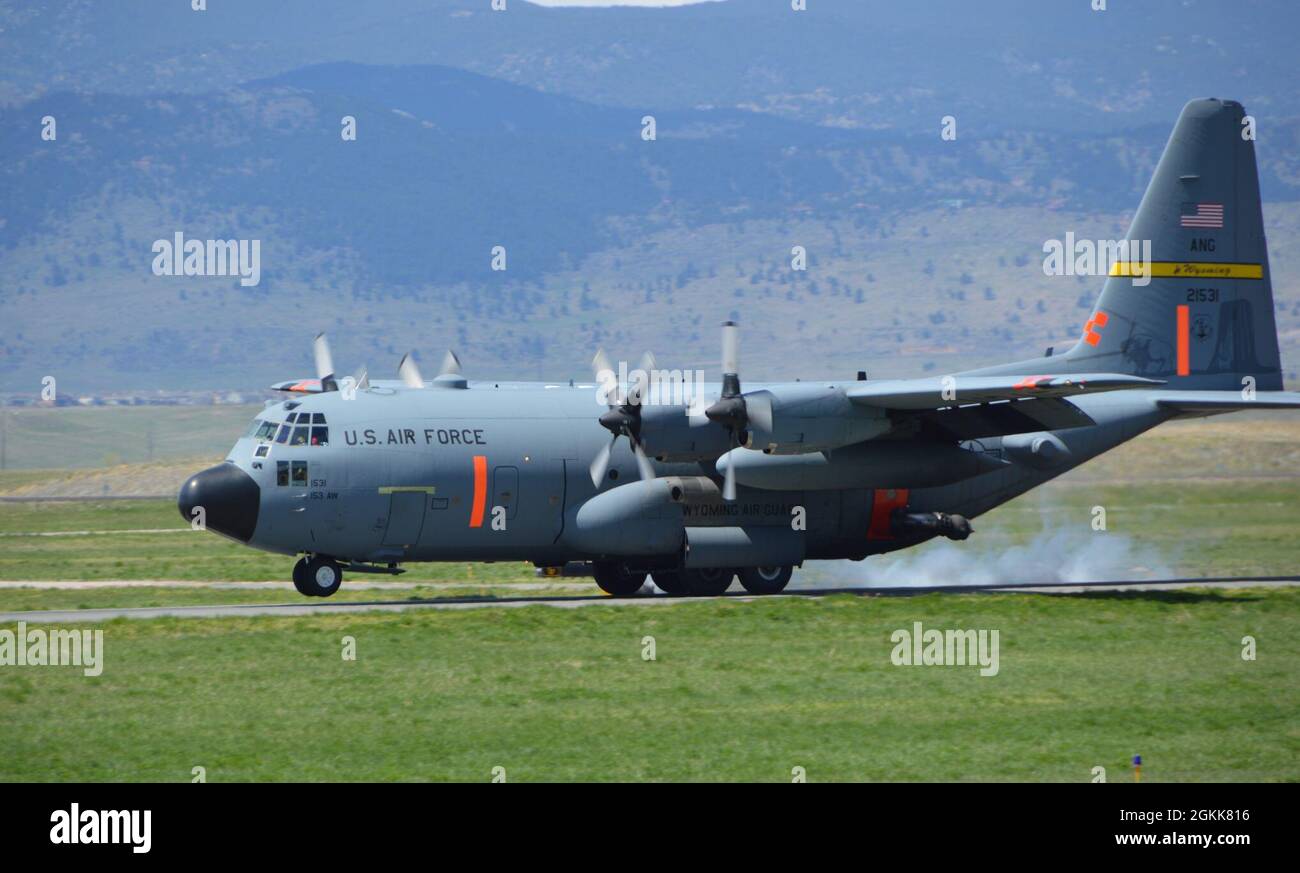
[1214, 402]
[299, 386]
[940, 392]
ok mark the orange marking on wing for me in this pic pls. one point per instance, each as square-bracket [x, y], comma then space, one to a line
[1030, 382]
[480, 491]
[1184, 341]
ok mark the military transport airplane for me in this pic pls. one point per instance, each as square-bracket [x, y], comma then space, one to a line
[753, 481]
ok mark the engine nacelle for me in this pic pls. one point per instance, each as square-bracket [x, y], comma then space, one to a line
[875, 464]
[809, 418]
[1040, 450]
[672, 435]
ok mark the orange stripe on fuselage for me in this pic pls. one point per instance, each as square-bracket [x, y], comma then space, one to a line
[480, 491]
[1184, 341]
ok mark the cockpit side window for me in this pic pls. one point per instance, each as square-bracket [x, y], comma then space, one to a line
[265, 430]
[320, 436]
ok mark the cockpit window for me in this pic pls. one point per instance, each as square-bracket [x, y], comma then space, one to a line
[264, 430]
[283, 434]
[320, 436]
[300, 436]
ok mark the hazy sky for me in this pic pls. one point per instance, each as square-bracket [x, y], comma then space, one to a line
[617, 2]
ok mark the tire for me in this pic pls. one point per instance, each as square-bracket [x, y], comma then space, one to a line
[323, 576]
[670, 582]
[615, 579]
[708, 581]
[300, 577]
[765, 580]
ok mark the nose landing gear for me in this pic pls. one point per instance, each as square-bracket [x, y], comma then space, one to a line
[317, 576]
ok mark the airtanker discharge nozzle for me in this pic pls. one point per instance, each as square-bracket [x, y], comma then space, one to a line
[952, 526]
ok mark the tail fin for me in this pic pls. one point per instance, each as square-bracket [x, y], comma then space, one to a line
[1205, 320]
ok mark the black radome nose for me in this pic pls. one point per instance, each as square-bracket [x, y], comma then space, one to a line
[229, 497]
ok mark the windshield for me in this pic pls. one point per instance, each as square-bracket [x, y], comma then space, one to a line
[262, 430]
[298, 429]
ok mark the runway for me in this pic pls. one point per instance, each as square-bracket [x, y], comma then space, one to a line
[307, 607]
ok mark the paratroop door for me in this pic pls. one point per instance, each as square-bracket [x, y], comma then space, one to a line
[405, 517]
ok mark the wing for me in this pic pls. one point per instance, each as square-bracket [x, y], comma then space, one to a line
[942, 392]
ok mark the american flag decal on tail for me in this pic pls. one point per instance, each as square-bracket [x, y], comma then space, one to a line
[1201, 215]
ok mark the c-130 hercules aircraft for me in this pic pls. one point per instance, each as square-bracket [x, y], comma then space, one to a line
[754, 481]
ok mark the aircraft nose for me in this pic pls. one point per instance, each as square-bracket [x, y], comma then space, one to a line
[229, 497]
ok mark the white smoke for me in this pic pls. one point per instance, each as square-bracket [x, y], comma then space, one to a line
[1057, 553]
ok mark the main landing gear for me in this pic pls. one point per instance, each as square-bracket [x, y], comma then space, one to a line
[317, 576]
[617, 579]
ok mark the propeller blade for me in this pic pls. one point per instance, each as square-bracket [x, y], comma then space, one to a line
[607, 376]
[320, 348]
[601, 462]
[729, 482]
[600, 364]
[640, 386]
[730, 347]
[410, 373]
[643, 463]
[450, 364]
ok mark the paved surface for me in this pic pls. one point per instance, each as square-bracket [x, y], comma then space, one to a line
[307, 606]
[351, 584]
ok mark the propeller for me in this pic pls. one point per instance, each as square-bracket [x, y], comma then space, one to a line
[361, 379]
[731, 411]
[624, 415]
[320, 348]
[409, 372]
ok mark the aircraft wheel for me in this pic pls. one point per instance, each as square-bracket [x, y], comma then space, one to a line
[300, 577]
[323, 576]
[707, 581]
[614, 578]
[765, 580]
[670, 582]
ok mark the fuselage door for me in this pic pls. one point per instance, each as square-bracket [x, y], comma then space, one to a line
[405, 516]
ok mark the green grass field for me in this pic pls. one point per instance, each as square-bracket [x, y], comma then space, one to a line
[738, 691]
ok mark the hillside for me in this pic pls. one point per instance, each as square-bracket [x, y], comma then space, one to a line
[923, 254]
